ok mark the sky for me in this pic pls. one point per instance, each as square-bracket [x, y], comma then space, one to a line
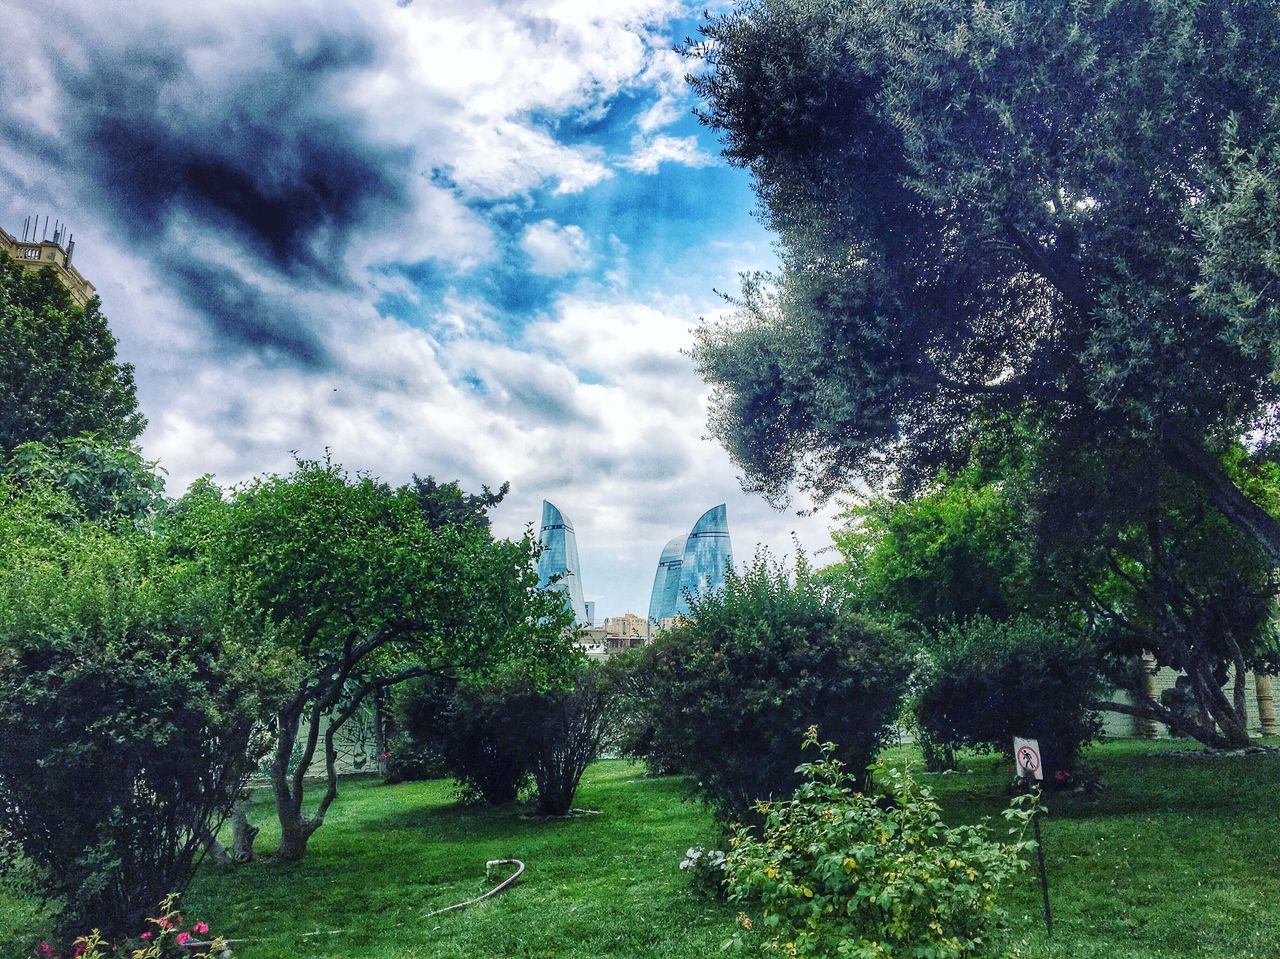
[463, 239]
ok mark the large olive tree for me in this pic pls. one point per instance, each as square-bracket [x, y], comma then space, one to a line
[1067, 210]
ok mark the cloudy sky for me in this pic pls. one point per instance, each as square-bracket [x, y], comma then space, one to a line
[454, 238]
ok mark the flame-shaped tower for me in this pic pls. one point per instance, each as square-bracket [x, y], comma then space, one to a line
[560, 558]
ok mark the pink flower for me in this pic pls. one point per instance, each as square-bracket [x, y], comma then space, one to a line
[145, 935]
[385, 756]
[200, 927]
[164, 922]
[184, 938]
[79, 949]
[45, 951]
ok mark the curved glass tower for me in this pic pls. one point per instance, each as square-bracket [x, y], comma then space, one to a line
[708, 554]
[666, 584]
[560, 558]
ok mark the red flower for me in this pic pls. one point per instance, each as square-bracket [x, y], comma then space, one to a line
[45, 951]
[200, 927]
[145, 935]
[184, 938]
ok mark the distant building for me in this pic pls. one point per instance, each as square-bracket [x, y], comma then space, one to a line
[704, 561]
[559, 560]
[666, 583]
[35, 251]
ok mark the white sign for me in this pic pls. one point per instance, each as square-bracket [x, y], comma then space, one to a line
[1026, 754]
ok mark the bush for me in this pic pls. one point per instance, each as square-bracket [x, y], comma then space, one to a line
[492, 735]
[127, 716]
[985, 682]
[170, 937]
[841, 873]
[736, 684]
[564, 729]
[467, 728]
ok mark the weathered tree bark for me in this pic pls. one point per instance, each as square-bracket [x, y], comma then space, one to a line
[242, 832]
[1190, 458]
[1266, 703]
[379, 733]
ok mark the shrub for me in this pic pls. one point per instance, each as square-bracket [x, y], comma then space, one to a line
[841, 873]
[564, 728]
[494, 734]
[469, 729]
[736, 684]
[170, 937]
[985, 682]
[127, 717]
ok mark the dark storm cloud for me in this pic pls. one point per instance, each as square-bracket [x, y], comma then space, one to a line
[260, 163]
[242, 314]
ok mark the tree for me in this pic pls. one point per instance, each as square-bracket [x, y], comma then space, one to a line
[350, 581]
[1068, 210]
[129, 712]
[58, 370]
[108, 479]
[1149, 571]
[984, 682]
[737, 683]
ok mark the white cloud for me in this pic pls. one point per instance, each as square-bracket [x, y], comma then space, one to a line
[593, 405]
[555, 250]
[650, 154]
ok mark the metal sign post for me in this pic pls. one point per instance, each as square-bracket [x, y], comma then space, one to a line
[1026, 756]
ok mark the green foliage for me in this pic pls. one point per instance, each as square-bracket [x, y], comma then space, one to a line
[107, 479]
[468, 729]
[58, 371]
[983, 682]
[958, 548]
[128, 708]
[736, 684]
[493, 734]
[985, 211]
[358, 586]
[841, 873]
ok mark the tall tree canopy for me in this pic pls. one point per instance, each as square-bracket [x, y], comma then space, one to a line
[58, 369]
[1069, 210]
[359, 586]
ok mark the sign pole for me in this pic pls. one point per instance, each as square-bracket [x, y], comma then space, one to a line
[1026, 757]
[1044, 877]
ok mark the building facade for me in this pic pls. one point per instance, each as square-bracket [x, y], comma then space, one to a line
[49, 254]
[705, 558]
[558, 565]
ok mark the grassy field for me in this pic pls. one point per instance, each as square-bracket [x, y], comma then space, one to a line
[1177, 856]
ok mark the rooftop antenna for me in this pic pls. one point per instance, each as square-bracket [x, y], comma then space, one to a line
[71, 248]
[25, 224]
[44, 235]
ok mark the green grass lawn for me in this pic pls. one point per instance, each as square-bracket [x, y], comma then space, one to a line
[1176, 857]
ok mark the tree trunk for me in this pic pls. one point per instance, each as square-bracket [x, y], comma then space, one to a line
[242, 833]
[379, 735]
[1189, 457]
[1266, 703]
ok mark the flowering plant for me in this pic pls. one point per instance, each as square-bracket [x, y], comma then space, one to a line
[169, 938]
[839, 873]
[706, 870]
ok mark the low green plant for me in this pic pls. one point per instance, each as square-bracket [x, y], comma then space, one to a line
[706, 871]
[985, 681]
[170, 936]
[838, 872]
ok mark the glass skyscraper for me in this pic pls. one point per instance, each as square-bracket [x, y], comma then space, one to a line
[706, 556]
[666, 584]
[560, 558]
